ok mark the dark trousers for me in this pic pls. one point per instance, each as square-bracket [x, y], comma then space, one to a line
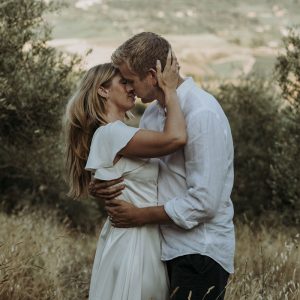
[196, 277]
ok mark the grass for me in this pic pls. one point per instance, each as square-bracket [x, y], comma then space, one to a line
[41, 258]
[267, 262]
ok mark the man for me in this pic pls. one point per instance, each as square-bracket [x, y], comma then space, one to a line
[194, 184]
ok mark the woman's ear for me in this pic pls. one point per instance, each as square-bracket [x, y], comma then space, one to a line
[102, 92]
[153, 76]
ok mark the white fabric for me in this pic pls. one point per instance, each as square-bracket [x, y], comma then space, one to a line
[106, 143]
[195, 183]
[127, 263]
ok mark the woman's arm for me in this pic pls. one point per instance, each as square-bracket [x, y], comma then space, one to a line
[147, 143]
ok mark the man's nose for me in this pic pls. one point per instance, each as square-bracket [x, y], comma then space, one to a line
[129, 88]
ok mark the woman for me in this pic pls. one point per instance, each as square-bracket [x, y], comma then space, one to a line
[127, 263]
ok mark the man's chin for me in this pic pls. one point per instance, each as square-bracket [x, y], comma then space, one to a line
[144, 100]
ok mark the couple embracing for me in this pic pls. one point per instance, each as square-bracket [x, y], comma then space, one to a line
[166, 185]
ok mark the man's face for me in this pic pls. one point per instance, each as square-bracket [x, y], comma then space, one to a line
[143, 88]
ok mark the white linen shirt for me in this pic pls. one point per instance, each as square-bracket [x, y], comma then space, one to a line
[195, 183]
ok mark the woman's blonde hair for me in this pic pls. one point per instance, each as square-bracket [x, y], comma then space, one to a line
[85, 112]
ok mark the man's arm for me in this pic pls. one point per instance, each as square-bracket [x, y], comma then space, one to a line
[206, 169]
[124, 214]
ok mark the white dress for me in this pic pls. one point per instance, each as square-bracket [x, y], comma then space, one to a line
[127, 263]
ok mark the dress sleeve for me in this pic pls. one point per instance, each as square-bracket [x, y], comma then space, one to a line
[107, 141]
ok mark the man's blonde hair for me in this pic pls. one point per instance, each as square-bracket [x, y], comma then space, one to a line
[141, 52]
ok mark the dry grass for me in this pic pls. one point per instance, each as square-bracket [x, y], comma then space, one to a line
[42, 259]
[267, 263]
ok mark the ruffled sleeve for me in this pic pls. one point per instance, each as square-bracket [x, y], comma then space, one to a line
[107, 141]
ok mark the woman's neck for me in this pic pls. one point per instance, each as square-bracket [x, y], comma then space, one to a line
[113, 116]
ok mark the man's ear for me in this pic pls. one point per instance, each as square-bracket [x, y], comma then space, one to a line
[102, 92]
[153, 76]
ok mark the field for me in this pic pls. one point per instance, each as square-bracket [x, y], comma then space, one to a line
[44, 259]
[48, 254]
[214, 40]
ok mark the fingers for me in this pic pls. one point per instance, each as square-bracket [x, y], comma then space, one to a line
[158, 67]
[158, 72]
[169, 59]
[104, 194]
[106, 189]
[171, 62]
[174, 58]
[111, 190]
[113, 203]
[115, 195]
[174, 65]
[100, 184]
[110, 211]
[108, 197]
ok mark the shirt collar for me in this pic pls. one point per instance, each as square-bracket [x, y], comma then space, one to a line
[181, 91]
[184, 88]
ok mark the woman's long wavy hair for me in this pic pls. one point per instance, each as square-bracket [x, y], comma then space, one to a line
[85, 112]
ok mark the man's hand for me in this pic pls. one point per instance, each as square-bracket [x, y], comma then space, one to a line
[123, 214]
[106, 190]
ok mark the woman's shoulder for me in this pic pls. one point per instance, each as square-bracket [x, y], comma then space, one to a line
[113, 128]
[109, 126]
[109, 139]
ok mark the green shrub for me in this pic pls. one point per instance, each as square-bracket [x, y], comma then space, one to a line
[286, 166]
[252, 110]
[287, 70]
[265, 122]
[35, 83]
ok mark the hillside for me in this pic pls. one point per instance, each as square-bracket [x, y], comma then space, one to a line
[213, 39]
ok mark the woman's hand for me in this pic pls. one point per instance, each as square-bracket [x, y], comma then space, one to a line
[106, 189]
[168, 79]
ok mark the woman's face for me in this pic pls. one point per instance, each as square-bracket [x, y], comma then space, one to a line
[121, 94]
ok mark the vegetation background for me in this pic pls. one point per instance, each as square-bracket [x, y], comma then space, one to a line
[246, 53]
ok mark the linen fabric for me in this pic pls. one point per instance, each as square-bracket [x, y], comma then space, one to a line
[195, 182]
[127, 263]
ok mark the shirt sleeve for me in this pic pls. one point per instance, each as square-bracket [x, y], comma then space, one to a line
[205, 164]
[107, 141]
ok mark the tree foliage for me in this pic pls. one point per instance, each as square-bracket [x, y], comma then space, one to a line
[253, 114]
[286, 167]
[35, 82]
[287, 69]
[265, 121]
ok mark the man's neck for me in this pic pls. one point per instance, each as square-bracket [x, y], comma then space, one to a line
[161, 96]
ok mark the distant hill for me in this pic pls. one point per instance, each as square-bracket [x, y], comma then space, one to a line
[213, 38]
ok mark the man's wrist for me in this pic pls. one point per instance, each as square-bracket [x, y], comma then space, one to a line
[142, 216]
